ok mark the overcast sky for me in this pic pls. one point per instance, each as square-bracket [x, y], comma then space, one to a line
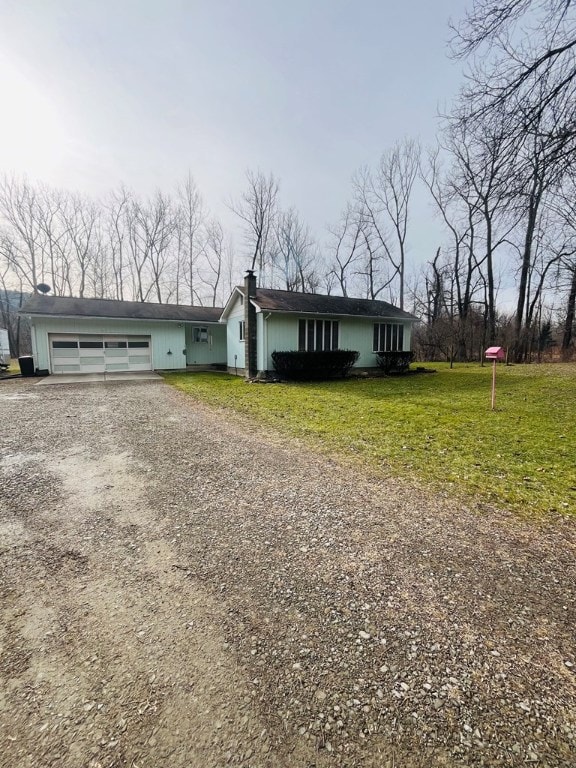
[98, 92]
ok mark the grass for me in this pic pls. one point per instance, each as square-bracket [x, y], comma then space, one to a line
[13, 367]
[436, 427]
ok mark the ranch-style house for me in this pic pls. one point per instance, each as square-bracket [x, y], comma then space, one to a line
[71, 335]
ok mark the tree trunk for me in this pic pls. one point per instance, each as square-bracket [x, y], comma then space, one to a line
[569, 321]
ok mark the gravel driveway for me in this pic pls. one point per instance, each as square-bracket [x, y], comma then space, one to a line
[180, 588]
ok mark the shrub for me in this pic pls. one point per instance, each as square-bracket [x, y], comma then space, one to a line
[314, 365]
[394, 362]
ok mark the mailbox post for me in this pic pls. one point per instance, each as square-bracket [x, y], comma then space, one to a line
[494, 354]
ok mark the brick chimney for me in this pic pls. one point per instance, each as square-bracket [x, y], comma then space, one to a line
[250, 353]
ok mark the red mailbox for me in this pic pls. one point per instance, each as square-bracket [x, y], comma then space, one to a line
[495, 353]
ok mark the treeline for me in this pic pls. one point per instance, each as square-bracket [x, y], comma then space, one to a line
[502, 180]
[166, 248]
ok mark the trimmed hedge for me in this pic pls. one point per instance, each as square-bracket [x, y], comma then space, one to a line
[314, 365]
[394, 362]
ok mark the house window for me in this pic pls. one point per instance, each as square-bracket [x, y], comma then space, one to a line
[241, 329]
[317, 335]
[200, 335]
[388, 337]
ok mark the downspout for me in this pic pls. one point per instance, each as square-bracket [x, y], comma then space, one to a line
[34, 348]
[265, 340]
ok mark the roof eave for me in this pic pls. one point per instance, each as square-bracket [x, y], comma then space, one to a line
[407, 317]
[236, 291]
[111, 317]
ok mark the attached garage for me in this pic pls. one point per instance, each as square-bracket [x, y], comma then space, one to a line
[86, 353]
[86, 336]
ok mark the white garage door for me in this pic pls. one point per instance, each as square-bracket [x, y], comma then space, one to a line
[97, 354]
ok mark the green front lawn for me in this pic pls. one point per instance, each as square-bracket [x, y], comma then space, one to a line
[436, 427]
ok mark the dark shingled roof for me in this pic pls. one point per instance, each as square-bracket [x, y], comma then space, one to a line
[65, 306]
[317, 304]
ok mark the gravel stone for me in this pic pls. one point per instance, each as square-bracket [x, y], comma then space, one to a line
[169, 571]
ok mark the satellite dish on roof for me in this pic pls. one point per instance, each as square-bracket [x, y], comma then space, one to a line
[43, 288]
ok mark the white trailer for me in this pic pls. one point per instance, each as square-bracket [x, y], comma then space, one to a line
[4, 349]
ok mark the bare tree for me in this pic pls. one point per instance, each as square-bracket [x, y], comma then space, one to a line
[214, 259]
[155, 228]
[464, 195]
[80, 217]
[564, 210]
[257, 209]
[115, 218]
[295, 252]
[19, 212]
[55, 240]
[136, 254]
[442, 334]
[570, 315]
[384, 197]
[190, 237]
[456, 206]
[523, 52]
[481, 174]
[345, 248]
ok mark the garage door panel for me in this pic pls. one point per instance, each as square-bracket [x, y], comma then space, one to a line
[92, 345]
[92, 369]
[66, 368]
[65, 343]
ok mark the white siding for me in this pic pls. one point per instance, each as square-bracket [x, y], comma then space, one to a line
[281, 334]
[358, 334]
[235, 346]
[260, 342]
[211, 352]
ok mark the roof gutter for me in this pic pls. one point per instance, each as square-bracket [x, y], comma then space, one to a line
[117, 319]
[412, 318]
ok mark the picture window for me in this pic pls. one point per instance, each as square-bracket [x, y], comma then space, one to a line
[388, 337]
[318, 335]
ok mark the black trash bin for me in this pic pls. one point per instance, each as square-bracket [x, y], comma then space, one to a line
[26, 365]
